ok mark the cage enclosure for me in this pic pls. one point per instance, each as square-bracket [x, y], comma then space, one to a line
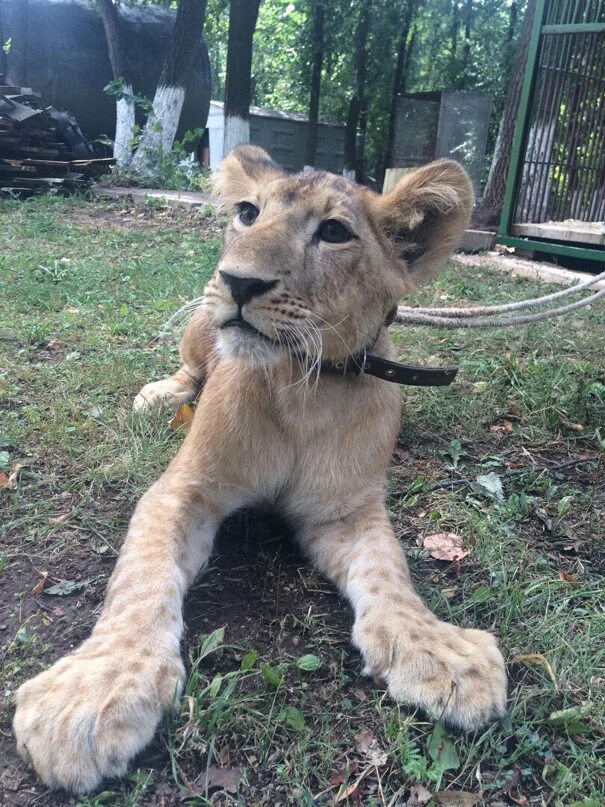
[555, 193]
[448, 123]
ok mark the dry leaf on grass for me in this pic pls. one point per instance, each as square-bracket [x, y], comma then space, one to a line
[499, 428]
[40, 584]
[224, 778]
[419, 796]
[182, 418]
[340, 777]
[368, 746]
[10, 480]
[445, 546]
[539, 660]
[571, 581]
[457, 798]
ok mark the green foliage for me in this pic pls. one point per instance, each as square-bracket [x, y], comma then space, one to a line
[176, 170]
[441, 58]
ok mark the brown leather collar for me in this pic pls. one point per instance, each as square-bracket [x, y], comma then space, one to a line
[368, 364]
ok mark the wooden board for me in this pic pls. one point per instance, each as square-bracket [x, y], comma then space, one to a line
[583, 232]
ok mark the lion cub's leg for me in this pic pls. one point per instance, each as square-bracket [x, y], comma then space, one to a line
[84, 718]
[452, 673]
[196, 350]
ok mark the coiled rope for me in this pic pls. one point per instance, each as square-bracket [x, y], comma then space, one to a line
[490, 316]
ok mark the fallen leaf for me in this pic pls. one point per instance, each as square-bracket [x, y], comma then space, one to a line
[445, 546]
[498, 428]
[419, 796]
[489, 485]
[567, 578]
[10, 481]
[53, 344]
[59, 519]
[224, 778]
[40, 584]
[182, 418]
[348, 792]
[340, 777]
[537, 659]
[65, 587]
[457, 798]
[369, 747]
[543, 516]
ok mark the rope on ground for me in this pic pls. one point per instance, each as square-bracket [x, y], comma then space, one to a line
[486, 316]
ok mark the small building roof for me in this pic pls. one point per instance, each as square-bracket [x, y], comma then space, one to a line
[266, 112]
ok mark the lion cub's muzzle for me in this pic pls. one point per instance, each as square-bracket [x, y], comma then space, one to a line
[244, 289]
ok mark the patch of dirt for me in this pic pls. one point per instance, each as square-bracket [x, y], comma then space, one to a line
[127, 216]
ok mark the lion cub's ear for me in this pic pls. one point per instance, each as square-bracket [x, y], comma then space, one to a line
[241, 172]
[425, 215]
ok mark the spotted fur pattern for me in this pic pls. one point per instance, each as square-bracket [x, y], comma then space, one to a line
[268, 428]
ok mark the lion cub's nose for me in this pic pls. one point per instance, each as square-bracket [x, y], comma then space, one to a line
[243, 289]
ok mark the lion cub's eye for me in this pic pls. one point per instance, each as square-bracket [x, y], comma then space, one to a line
[248, 213]
[334, 232]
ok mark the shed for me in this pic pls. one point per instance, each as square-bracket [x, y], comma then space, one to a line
[283, 135]
[59, 48]
[447, 123]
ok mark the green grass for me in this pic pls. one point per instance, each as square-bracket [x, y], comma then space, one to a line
[85, 289]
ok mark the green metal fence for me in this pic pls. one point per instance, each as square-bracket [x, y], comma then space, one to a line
[555, 192]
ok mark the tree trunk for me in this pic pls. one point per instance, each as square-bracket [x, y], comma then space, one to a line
[3, 59]
[466, 49]
[160, 129]
[354, 167]
[454, 32]
[122, 150]
[400, 78]
[318, 57]
[238, 85]
[509, 48]
[489, 206]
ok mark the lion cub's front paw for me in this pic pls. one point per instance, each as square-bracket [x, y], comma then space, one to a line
[166, 394]
[456, 675]
[89, 714]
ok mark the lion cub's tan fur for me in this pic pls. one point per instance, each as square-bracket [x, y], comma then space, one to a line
[268, 429]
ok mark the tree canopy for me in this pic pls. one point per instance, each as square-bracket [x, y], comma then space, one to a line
[461, 44]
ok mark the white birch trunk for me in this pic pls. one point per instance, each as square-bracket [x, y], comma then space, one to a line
[349, 173]
[122, 150]
[160, 129]
[237, 130]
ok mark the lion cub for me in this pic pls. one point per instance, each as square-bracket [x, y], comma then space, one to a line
[311, 266]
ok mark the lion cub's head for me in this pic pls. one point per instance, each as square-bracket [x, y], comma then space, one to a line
[313, 263]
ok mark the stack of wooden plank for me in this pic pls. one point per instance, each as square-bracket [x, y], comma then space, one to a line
[41, 148]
